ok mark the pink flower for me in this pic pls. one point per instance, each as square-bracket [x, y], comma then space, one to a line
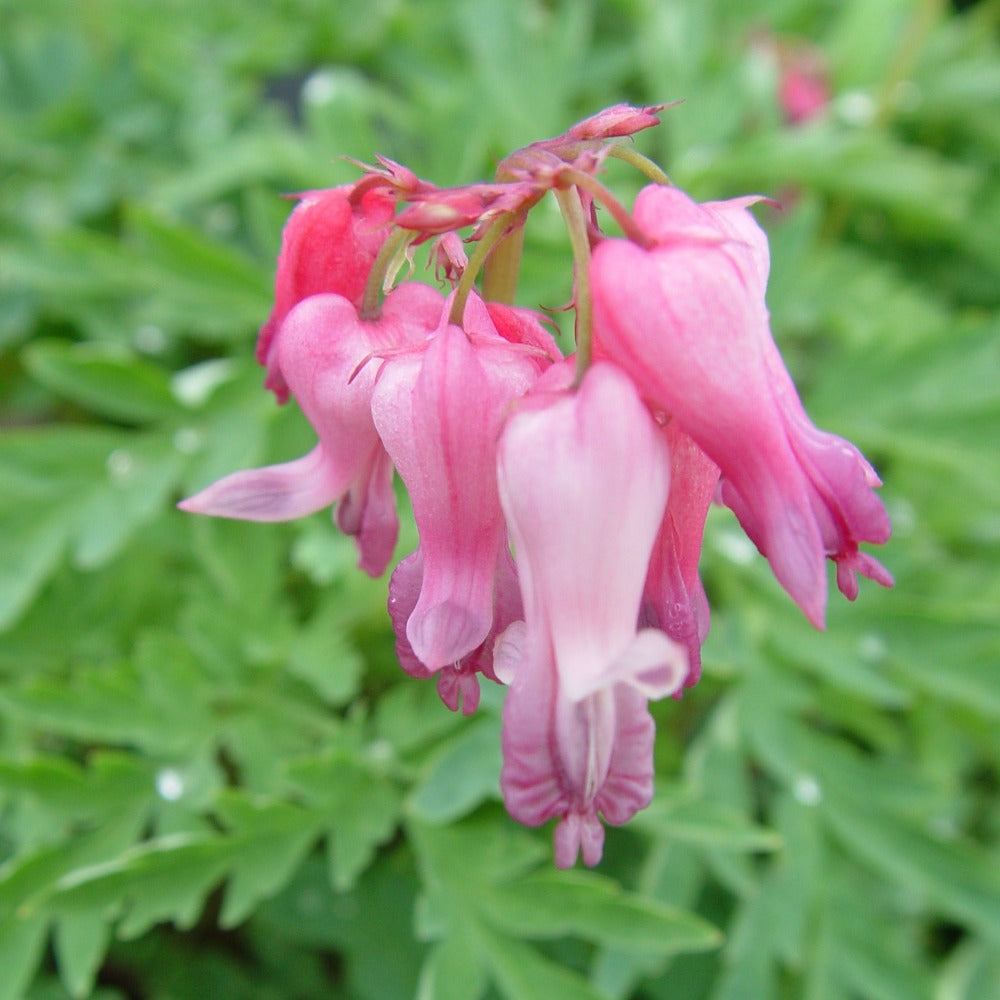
[583, 482]
[439, 413]
[328, 245]
[687, 320]
[803, 87]
[320, 351]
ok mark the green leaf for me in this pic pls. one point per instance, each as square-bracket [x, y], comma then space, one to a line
[106, 705]
[85, 489]
[972, 972]
[464, 774]
[103, 378]
[22, 940]
[960, 878]
[323, 656]
[555, 904]
[30, 550]
[681, 815]
[163, 879]
[358, 807]
[272, 838]
[453, 970]
[522, 973]
[80, 941]
[473, 853]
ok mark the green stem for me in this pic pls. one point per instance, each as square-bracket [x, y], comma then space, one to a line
[395, 244]
[621, 215]
[500, 273]
[631, 156]
[576, 227]
[468, 280]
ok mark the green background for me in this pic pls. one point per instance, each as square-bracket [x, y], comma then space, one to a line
[214, 779]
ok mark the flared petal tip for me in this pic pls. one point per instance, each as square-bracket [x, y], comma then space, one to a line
[578, 834]
[445, 633]
[652, 663]
[850, 565]
[459, 690]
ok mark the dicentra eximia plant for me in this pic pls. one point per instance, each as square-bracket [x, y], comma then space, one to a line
[560, 502]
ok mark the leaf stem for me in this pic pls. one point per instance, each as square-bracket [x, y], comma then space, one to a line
[576, 227]
[500, 273]
[466, 283]
[631, 156]
[396, 242]
[621, 215]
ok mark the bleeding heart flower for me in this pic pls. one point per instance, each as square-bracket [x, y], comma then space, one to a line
[584, 477]
[686, 319]
[439, 413]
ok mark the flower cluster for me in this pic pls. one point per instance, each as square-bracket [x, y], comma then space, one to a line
[560, 502]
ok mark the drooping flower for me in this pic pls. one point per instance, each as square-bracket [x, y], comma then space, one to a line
[560, 508]
[438, 413]
[687, 320]
[584, 477]
[328, 245]
[320, 352]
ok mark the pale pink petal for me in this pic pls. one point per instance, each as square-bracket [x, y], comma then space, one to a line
[652, 663]
[326, 353]
[583, 482]
[273, 493]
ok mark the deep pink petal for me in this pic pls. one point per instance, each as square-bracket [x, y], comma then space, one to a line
[368, 512]
[328, 245]
[687, 319]
[523, 326]
[439, 415]
[681, 321]
[457, 682]
[674, 599]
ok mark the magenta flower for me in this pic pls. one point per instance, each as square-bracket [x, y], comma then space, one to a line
[321, 352]
[439, 413]
[328, 245]
[583, 482]
[560, 502]
[686, 319]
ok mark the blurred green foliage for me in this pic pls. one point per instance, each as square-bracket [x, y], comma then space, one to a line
[214, 780]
